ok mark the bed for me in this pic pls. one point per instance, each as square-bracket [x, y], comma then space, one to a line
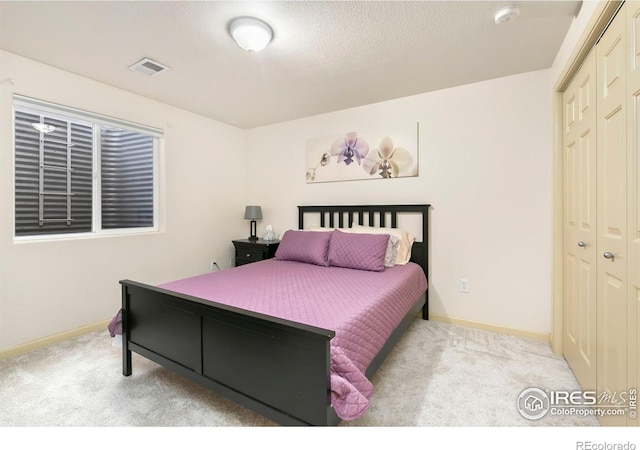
[279, 365]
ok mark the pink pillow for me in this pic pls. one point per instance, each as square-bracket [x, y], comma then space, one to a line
[358, 251]
[304, 246]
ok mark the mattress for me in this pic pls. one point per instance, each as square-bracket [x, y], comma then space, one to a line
[362, 307]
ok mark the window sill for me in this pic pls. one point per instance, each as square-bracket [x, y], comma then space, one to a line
[85, 236]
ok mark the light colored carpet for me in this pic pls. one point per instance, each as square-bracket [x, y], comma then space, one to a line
[438, 375]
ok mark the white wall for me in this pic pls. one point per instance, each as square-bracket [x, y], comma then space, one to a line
[485, 166]
[52, 287]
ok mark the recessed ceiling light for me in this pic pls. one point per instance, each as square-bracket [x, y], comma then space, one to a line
[43, 127]
[507, 14]
[251, 34]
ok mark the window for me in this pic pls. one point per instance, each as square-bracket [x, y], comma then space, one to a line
[79, 172]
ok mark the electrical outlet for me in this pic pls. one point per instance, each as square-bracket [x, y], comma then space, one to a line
[464, 285]
[214, 265]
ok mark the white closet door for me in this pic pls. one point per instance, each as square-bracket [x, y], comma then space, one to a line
[579, 153]
[612, 213]
[633, 200]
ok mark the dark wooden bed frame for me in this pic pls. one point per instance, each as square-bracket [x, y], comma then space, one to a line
[277, 368]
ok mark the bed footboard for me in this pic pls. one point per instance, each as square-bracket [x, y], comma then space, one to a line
[277, 368]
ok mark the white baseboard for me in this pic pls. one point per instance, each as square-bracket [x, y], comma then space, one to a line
[491, 327]
[50, 340]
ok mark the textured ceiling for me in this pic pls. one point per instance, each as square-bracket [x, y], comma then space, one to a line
[325, 55]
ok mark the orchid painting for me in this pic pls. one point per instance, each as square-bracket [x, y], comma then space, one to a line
[358, 155]
[349, 147]
[388, 161]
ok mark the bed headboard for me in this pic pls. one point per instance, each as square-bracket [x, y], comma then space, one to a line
[342, 216]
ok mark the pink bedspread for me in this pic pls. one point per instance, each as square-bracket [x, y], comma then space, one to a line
[363, 308]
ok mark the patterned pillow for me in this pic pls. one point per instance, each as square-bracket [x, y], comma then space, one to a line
[304, 246]
[391, 256]
[358, 251]
[406, 239]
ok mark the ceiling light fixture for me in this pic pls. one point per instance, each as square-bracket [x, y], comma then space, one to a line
[251, 34]
[43, 127]
[507, 14]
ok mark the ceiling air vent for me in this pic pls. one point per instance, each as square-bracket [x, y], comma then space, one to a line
[149, 67]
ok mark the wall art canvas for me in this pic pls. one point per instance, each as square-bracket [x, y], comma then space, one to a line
[363, 155]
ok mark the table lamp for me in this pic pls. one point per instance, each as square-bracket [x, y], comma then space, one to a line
[253, 213]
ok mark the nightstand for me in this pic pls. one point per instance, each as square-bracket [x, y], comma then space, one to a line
[251, 251]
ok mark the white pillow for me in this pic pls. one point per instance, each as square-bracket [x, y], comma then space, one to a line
[405, 239]
[393, 246]
[344, 230]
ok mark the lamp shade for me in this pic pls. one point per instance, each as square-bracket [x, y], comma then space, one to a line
[253, 213]
[251, 34]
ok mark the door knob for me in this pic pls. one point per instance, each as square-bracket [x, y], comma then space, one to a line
[582, 244]
[609, 255]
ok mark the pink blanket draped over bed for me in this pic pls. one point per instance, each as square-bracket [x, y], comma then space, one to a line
[363, 308]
